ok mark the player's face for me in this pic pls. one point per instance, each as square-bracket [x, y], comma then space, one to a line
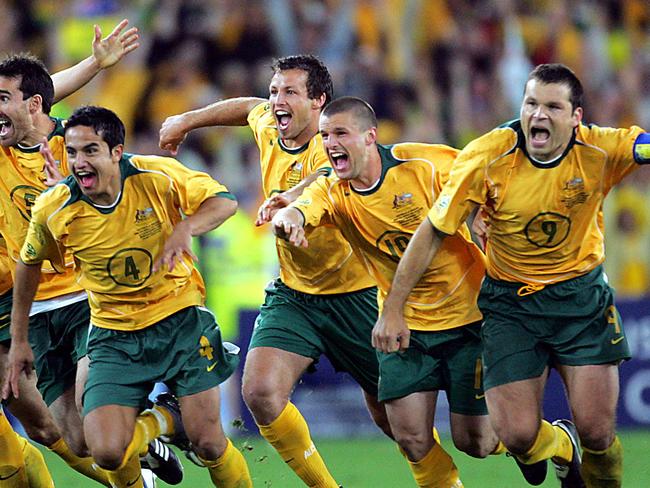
[15, 116]
[346, 144]
[292, 108]
[94, 166]
[548, 119]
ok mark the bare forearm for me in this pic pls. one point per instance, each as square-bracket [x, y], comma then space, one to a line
[212, 213]
[71, 79]
[233, 111]
[297, 190]
[416, 259]
[25, 286]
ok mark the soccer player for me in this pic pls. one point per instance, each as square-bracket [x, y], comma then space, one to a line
[120, 217]
[378, 198]
[324, 302]
[61, 312]
[545, 300]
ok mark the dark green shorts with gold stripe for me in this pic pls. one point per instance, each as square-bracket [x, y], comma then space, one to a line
[339, 326]
[448, 360]
[184, 350]
[5, 317]
[572, 323]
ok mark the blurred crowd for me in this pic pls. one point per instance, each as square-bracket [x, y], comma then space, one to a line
[434, 70]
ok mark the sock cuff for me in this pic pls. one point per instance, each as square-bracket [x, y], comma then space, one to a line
[58, 446]
[283, 423]
[221, 460]
[165, 420]
[614, 443]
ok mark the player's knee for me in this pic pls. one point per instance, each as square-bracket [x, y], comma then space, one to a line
[209, 448]
[415, 444]
[109, 457]
[475, 446]
[518, 441]
[596, 437]
[261, 398]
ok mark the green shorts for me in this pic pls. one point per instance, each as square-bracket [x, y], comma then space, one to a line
[184, 351]
[448, 360]
[58, 339]
[339, 326]
[572, 323]
[5, 317]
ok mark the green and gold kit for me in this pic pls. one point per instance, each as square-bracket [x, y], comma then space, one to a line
[21, 183]
[328, 265]
[115, 247]
[545, 218]
[379, 223]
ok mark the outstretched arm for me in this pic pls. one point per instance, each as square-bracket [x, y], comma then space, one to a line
[21, 357]
[391, 333]
[288, 224]
[233, 111]
[106, 52]
[211, 214]
[271, 205]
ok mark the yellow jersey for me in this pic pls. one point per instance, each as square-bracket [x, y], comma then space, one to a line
[545, 218]
[114, 247]
[21, 182]
[6, 268]
[328, 266]
[379, 223]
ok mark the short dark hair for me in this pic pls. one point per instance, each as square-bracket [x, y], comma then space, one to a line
[319, 80]
[559, 73]
[361, 109]
[104, 122]
[34, 77]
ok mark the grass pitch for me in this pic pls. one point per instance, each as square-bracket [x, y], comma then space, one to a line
[375, 463]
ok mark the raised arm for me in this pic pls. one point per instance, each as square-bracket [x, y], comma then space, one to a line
[391, 333]
[211, 214]
[21, 357]
[105, 53]
[233, 111]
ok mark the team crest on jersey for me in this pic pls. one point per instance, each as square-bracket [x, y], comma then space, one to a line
[574, 192]
[146, 222]
[143, 214]
[295, 174]
[402, 200]
[408, 213]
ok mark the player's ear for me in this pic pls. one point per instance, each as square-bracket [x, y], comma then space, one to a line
[319, 102]
[116, 152]
[35, 103]
[371, 135]
[577, 116]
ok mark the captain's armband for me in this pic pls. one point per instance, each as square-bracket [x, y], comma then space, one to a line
[641, 148]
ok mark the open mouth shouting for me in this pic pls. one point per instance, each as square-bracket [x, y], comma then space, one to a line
[539, 136]
[340, 160]
[86, 178]
[6, 127]
[284, 119]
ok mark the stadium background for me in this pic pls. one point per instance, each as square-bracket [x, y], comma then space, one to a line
[435, 71]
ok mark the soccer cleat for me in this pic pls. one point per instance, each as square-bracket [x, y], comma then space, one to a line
[168, 402]
[163, 462]
[535, 473]
[569, 474]
[148, 478]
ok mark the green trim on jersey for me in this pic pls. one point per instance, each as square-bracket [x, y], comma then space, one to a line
[58, 130]
[293, 150]
[388, 161]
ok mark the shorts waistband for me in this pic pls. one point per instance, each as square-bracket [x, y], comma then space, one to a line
[577, 280]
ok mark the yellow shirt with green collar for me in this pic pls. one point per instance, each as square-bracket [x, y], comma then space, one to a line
[328, 265]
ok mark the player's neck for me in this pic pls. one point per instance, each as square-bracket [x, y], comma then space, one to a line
[43, 127]
[306, 135]
[371, 173]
